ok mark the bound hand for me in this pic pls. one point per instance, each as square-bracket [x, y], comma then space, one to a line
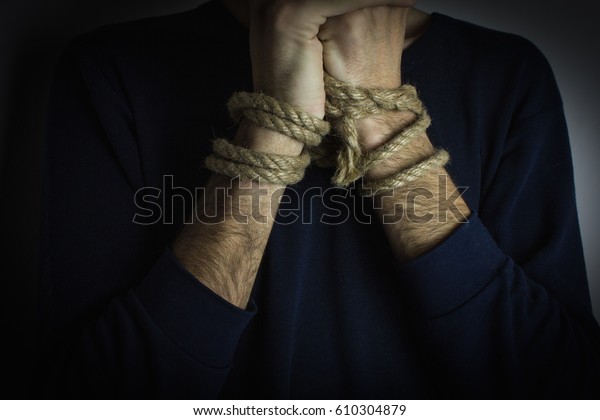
[287, 55]
[364, 47]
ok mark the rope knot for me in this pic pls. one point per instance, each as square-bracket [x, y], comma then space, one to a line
[345, 105]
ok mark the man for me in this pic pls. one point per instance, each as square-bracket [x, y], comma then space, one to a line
[424, 292]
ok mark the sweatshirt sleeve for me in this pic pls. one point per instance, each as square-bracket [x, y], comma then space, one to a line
[502, 306]
[119, 316]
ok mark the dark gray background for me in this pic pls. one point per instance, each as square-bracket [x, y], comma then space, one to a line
[32, 32]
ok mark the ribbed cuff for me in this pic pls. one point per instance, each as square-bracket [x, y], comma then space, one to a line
[206, 326]
[456, 270]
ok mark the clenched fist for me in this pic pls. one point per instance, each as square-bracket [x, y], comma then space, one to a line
[287, 54]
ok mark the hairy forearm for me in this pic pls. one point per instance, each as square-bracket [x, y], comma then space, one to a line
[364, 49]
[420, 215]
[225, 243]
[288, 60]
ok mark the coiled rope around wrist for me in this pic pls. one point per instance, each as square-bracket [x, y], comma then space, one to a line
[265, 111]
[402, 178]
[279, 116]
[345, 105]
[233, 161]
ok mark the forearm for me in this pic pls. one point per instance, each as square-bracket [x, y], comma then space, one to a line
[287, 65]
[508, 300]
[414, 216]
[421, 214]
[225, 242]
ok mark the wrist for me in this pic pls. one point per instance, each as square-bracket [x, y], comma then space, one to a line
[364, 48]
[287, 57]
[409, 156]
[375, 131]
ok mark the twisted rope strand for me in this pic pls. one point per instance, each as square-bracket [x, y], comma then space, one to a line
[345, 105]
[231, 160]
[233, 169]
[279, 116]
[437, 160]
[345, 100]
[399, 141]
[226, 150]
[290, 129]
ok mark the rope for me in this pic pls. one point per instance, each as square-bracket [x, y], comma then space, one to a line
[265, 111]
[345, 105]
[268, 112]
[403, 178]
[233, 161]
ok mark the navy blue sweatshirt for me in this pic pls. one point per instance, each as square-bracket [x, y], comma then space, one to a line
[500, 309]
